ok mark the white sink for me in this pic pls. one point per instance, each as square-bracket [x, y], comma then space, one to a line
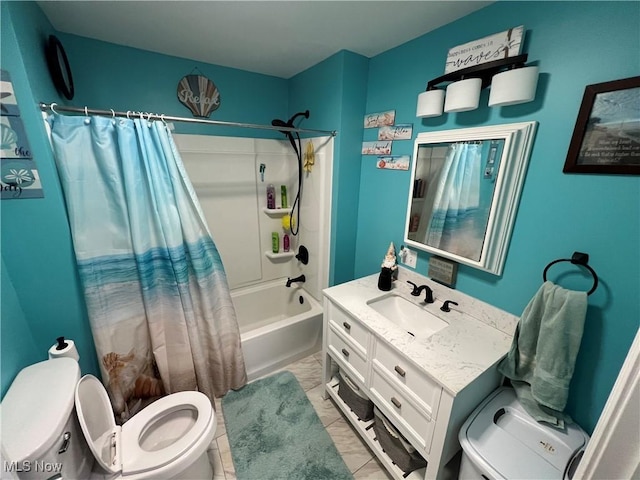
[407, 315]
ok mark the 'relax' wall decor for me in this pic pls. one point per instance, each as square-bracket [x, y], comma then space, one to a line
[198, 94]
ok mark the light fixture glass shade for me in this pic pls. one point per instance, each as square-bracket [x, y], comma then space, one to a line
[513, 86]
[430, 103]
[463, 95]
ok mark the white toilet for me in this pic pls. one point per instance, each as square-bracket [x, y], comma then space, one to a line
[168, 439]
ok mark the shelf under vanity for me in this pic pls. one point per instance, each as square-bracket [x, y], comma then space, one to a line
[366, 431]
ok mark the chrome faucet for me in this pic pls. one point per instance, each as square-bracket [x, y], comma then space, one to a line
[300, 279]
[417, 290]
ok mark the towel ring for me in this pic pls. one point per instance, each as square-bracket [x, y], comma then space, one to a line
[577, 258]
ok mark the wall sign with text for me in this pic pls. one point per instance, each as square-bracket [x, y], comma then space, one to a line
[18, 173]
[488, 49]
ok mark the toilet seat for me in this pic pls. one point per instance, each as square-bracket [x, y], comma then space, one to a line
[118, 449]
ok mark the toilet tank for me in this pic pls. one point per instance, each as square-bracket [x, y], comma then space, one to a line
[41, 437]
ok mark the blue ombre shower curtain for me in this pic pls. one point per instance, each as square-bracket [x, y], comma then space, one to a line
[452, 226]
[156, 292]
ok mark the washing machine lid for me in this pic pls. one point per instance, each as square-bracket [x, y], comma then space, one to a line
[98, 424]
[36, 408]
[175, 413]
[509, 443]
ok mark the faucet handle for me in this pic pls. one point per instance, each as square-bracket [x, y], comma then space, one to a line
[416, 290]
[445, 305]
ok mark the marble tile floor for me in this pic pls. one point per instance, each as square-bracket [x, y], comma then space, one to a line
[355, 453]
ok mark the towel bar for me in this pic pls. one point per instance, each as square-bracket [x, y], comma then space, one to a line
[578, 258]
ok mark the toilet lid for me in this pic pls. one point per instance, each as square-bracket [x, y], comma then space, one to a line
[117, 449]
[98, 424]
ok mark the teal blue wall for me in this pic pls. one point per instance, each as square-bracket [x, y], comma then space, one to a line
[575, 44]
[335, 93]
[16, 340]
[38, 263]
[123, 78]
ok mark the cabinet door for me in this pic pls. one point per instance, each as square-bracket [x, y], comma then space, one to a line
[409, 377]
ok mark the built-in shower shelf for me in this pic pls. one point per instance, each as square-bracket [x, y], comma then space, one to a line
[276, 212]
[279, 256]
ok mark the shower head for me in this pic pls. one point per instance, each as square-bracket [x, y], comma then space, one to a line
[305, 114]
[280, 123]
[289, 124]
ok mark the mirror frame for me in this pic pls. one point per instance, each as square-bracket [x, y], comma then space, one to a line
[518, 138]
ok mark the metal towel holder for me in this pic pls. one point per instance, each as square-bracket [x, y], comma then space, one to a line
[578, 258]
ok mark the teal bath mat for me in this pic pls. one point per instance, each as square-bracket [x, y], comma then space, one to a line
[275, 433]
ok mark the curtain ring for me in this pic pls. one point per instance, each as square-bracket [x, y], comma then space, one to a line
[163, 120]
[85, 111]
[128, 112]
[113, 114]
[52, 108]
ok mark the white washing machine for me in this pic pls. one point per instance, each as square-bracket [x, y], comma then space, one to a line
[500, 440]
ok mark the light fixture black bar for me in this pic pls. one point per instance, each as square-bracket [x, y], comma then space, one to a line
[168, 118]
[485, 71]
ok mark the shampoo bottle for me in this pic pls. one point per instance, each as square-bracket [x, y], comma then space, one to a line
[285, 242]
[283, 195]
[275, 242]
[271, 197]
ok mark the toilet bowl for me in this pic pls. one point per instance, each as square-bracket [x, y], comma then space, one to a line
[167, 439]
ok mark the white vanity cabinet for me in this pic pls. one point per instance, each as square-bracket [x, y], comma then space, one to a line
[394, 371]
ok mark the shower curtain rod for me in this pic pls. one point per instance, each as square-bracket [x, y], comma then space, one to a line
[54, 107]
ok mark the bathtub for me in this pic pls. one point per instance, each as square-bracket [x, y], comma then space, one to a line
[278, 325]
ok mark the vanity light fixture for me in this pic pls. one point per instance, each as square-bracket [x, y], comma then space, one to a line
[511, 82]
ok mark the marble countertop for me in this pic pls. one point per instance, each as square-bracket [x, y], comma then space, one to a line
[477, 337]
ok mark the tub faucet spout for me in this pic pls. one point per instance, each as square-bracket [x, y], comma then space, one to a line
[300, 279]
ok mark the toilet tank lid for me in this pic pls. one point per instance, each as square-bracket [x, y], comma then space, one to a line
[37, 406]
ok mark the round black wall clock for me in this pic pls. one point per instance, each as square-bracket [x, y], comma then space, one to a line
[59, 67]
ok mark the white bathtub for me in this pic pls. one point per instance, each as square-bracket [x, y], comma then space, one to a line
[278, 325]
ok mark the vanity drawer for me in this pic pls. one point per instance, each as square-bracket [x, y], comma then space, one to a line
[349, 327]
[406, 373]
[416, 425]
[347, 356]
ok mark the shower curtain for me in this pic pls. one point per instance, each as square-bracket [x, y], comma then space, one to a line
[154, 284]
[452, 226]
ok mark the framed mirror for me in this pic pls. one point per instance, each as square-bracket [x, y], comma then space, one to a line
[465, 188]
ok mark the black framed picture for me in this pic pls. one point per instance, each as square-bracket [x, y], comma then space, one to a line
[606, 138]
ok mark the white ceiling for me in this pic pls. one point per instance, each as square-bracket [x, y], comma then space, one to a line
[280, 38]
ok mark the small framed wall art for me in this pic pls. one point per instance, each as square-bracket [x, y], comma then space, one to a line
[606, 137]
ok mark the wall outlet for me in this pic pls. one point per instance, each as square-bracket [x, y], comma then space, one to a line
[408, 257]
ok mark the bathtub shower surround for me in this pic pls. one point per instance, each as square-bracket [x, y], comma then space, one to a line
[154, 283]
[231, 175]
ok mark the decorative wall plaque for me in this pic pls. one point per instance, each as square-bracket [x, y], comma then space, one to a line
[18, 172]
[198, 94]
